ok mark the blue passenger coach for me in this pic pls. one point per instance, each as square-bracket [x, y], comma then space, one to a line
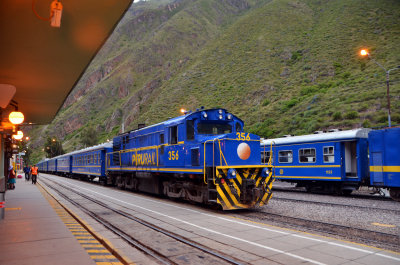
[334, 162]
[384, 148]
[202, 156]
[90, 162]
[42, 165]
[52, 165]
[64, 164]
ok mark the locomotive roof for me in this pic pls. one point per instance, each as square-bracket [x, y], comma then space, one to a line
[178, 119]
[329, 136]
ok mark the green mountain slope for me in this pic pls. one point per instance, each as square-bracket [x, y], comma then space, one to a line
[283, 66]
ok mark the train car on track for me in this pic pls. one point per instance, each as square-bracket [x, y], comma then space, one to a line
[332, 162]
[52, 165]
[64, 165]
[89, 163]
[384, 150]
[202, 156]
[42, 165]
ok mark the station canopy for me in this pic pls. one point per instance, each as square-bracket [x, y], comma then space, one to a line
[44, 63]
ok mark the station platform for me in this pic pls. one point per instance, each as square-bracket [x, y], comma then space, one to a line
[35, 231]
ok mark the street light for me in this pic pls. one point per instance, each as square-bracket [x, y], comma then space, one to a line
[366, 53]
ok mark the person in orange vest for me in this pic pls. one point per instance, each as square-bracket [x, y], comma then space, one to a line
[34, 172]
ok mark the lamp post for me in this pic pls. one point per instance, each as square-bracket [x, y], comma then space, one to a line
[366, 53]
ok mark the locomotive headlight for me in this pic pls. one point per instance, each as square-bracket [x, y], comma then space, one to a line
[204, 115]
[231, 173]
[220, 117]
[229, 116]
[220, 111]
[265, 172]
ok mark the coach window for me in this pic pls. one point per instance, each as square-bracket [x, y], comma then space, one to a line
[190, 130]
[329, 154]
[285, 156]
[307, 155]
[173, 135]
[265, 156]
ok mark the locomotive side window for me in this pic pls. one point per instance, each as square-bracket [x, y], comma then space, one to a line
[173, 135]
[190, 130]
[213, 128]
[307, 155]
[329, 154]
[285, 156]
[161, 143]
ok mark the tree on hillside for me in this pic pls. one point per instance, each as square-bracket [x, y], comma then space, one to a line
[53, 147]
[88, 137]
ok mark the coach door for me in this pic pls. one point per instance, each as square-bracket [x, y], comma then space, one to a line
[350, 159]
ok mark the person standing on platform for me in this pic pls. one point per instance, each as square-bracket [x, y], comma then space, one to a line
[34, 172]
[11, 178]
[27, 171]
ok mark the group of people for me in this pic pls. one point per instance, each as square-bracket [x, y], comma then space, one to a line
[30, 172]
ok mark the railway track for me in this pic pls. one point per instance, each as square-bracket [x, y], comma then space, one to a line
[369, 208]
[153, 248]
[355, 196]
[364, 236]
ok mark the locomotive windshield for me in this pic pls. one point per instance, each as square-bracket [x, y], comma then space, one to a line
[214, 128]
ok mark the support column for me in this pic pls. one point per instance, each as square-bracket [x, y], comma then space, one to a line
[2, 178]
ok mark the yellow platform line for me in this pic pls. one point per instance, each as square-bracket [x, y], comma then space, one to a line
[84, 233]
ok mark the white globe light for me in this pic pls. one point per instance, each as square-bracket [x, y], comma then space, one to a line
[16, 117]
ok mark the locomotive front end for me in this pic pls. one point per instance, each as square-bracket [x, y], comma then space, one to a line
[233, 173]
[239, 180]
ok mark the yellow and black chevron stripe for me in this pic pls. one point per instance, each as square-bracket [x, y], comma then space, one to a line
[231, 192]
[96, 250]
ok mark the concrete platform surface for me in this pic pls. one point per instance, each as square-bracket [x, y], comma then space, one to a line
[33, 233]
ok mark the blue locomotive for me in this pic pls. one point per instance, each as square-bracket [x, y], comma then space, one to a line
[338, 161]
[202, 156]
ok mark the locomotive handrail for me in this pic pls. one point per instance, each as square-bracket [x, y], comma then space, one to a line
[221, 153]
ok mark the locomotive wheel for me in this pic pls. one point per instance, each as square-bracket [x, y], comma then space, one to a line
[395, 194]
[120, 182]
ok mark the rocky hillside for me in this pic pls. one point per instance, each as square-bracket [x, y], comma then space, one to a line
[284, 66]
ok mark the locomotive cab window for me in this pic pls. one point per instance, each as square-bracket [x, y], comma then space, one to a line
[190, 130]
[238, 127]
[329, 154]
[173, 135]
[213, 128]
[285, 156]
[307, 155]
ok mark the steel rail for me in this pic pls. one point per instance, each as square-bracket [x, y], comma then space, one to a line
[379, 239]
[153, 227]
[338, 204]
